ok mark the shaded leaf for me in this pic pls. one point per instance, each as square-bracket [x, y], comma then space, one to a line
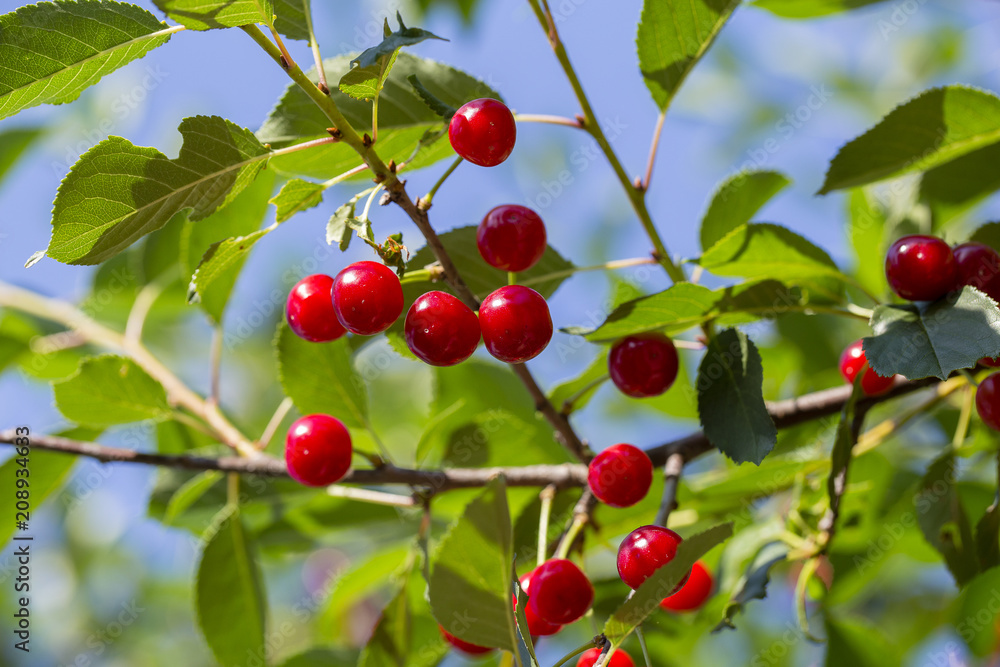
[858, 643]
[290, 18]
[13, 143]
[392, 42]
[943, 520]
[954, 187]
[223, 260]
[730, 399]
[867, 233]
[737, 200]
[297, 195]
[753, 585]
[215, 14]
[109, 390]
[974, 616]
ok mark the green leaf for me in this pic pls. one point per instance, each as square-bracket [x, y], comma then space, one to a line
[53, 51]
[340, 227]
[240, 218]
[760, 251]
[403, 117]
[13, 143]
[934, 339]
[988, 538]
[229, 593]
[686, 305]
[392, 42]
[583, 387]
[472, 573]
[47, 472]
[974, 616]
[446, 111]
[753, 585]
[223, 260]
[189, 493]
[297, 195]
[867, 232]
[737, 200]
[483, 278]
[988, 234]
[932, 129]
[109, 390]
[291, 18]
[858, 643]
[662, 582]
[319, 378]
[807, 9]
[214, 14]
[117, 192]
[322, 657]
[730, 399]
[943, 520]
[673, 36]
[954, 187]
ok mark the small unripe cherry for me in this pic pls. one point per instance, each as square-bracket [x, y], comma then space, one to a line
[853, 361]
[463, 646]
[643, 365]
[561, 592]
[318, 450]
[367, 297]
[310, 310]
[621, 475]
[483, 132]
[537, 626]
[516, 323]
[441, 330]
[988, 401]
[511, 238]
[921, 268]
[618, 659]
[645, 550]
[693, 593]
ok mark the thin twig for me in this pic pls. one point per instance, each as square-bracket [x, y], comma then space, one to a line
[550, 120]
[272, 425]
[652, 151]
[314, 46]
[547, 495]
[671, 478]
[373, 497]
[215, 365]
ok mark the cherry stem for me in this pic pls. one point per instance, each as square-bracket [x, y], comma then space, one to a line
[281, 47]
[511, 277]
[969, 376]
[606, 266]
[569, 403]
[233, 489]
[547, 495]
[964, 417]
[566, 543]
[426, 201]
[274, 422]
[215, 364]
[801, 588]
[371, 497]
[642, 645]
[575, 652]
[672, 470]
[314, 46]
[346, 175]
[368, 204]
[547, 119]
[652, 150]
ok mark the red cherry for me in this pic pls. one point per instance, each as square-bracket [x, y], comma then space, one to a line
[643, 365]
[990, 362]
[644, 551]
[921, 268]
[562, 593]
[979, 266]
[988, 401]
[618, 659]
[516, 323]
[483, 132]
[511, 238]
[318, 450]
[310, 310]
[621, 475]
[693, 593]
[441, 330]
[852, 361]
[463, 646]
[537, 627]
[367, 297]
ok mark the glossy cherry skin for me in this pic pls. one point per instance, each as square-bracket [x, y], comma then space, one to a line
[618, 659]
[643, 365]
[621, 475]
[990, 362]
[537, 626]
[511, 238]
[645, 550]
[310, 310]
[463, 646]
[483, 132]
[693, 593]
[979, 266]
[852, 361]
[921, 268]
[441, 330]
[561, 592]
[367, 297]
[988, 401]
[318, 450]
[516, 323]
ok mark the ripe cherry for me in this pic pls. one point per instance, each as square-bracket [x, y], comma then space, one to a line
[367, 297]
[561, 593]
[921, 268]
[516, 323]
[645, 550]
[618, 659]
[483, 132]
[852, 361]
[988, 401]
[990, 362]
[310, 310]
[463, 646]
[318, 450]
[511, 238]
[537, 626]
[621, 475]
[441, 330]
[693, 593]
[979, 266]
[643, 365]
